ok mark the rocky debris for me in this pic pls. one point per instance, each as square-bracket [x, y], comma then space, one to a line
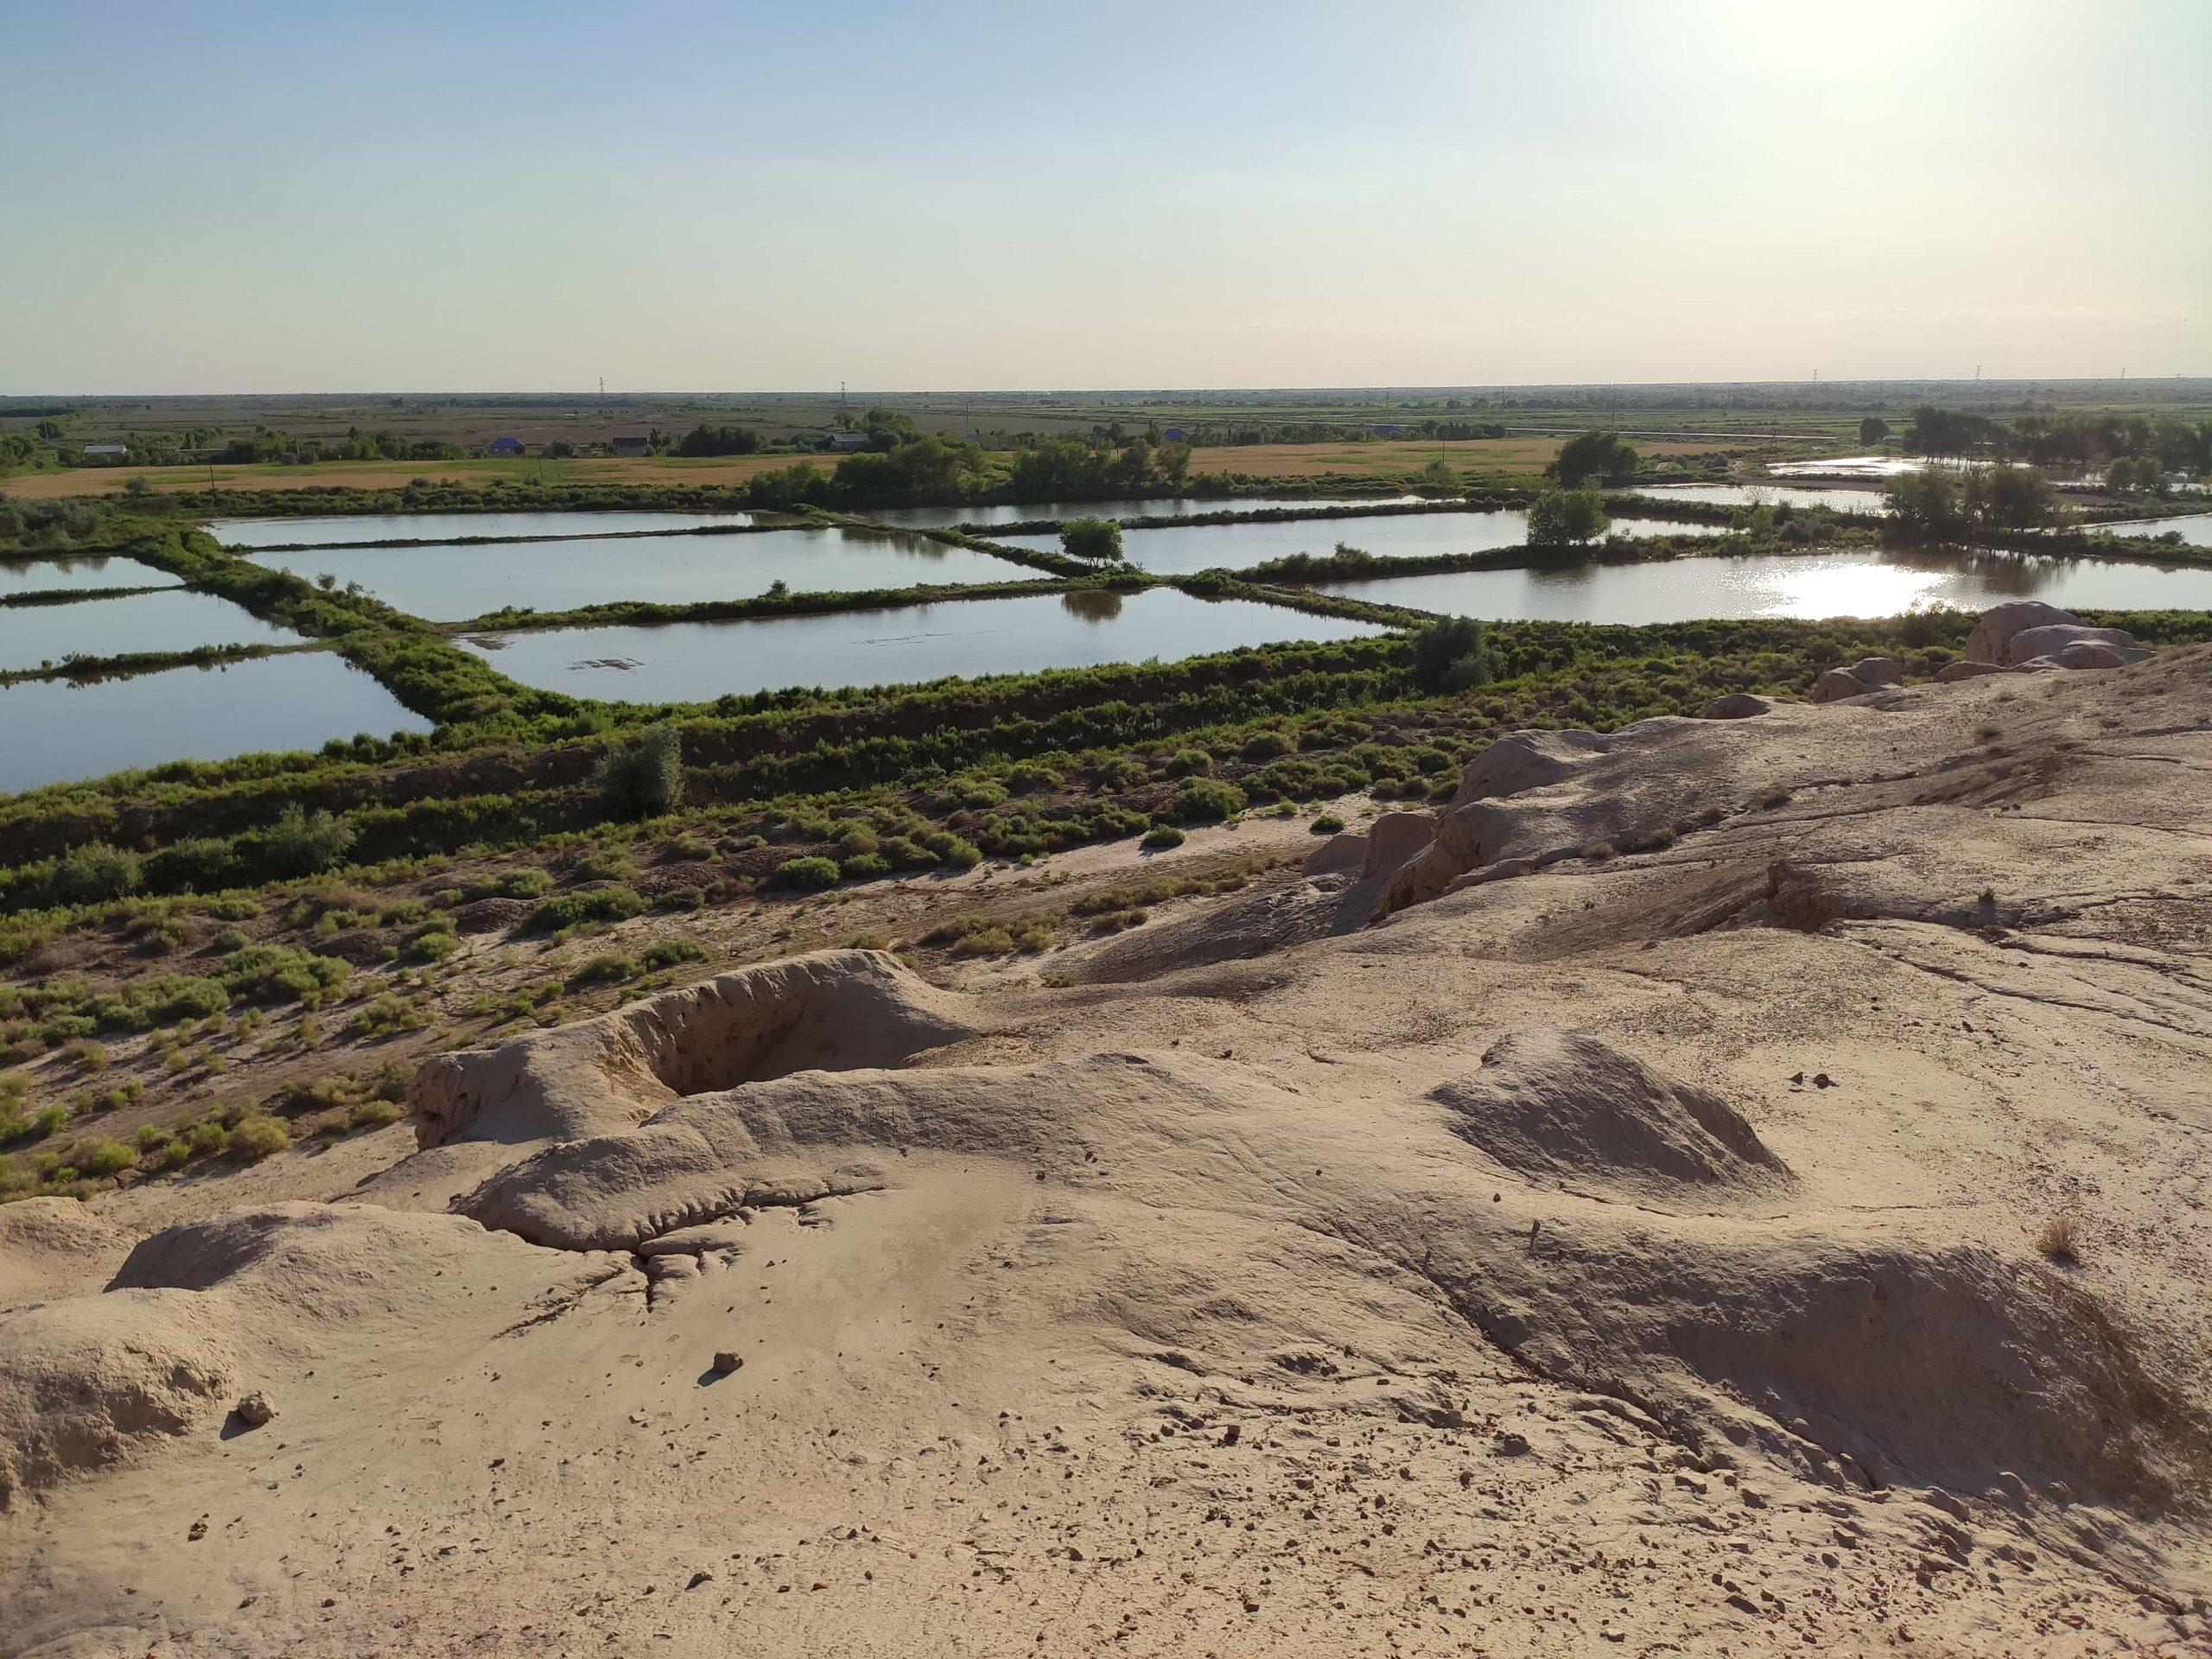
[2075, 644]
[1991, 639]
[1737, 705]
[1803, 898]
[834, 1010]
[1394, 838]
[254, 1409]
[1857, 679]
[1563, 1104]
[1343, 852]
[1950, 673]
[727, 1360]
[2027, 633]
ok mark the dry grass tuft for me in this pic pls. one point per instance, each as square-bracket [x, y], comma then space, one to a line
[2060, 1241]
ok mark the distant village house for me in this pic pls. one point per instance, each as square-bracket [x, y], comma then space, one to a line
[849, 440]
[508, 446]
[106, 451]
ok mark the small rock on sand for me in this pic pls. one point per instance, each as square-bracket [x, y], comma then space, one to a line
[255, 1410]
[727, 1361]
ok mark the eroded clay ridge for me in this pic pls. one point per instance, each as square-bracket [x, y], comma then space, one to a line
[1652, 1159]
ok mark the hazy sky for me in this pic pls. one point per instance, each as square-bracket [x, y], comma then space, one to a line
[306, 197]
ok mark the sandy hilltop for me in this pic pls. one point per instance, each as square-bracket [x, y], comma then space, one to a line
[1731, 1185]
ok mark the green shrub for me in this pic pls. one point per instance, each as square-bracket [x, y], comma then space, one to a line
[643, 776]
[1026, 775]
[373, 1113]
[1327, 824]
[955, 850]
[524, 884]
[1189, 763]
[864, 867]
[607, 864]
[668, 952]
[1266, 746]
[96, 873]
[103, 1158]
[986, 935]
[1206, 799]
[807, 873]
[1452, 654]
[902, 854]
[258, 1135]
[302, 842]
[158, 999]
[272, 973]
[611, 904]
[1163, 835]
[227, 940]
[433, 944]
[387, 1015]
[980, 794]
[197, 864]
[609, 968]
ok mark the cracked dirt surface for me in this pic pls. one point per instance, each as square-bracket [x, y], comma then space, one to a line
[1224, 1305]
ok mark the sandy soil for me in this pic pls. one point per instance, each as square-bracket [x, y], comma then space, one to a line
[1644, 1254]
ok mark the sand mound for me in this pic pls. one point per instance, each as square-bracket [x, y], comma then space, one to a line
[835, 1010]
[1534, 798]
[54, 1247]
[326, 1264]
[90, 1381]
[1935, 1363]
[1564, 1106]
[794, 1140]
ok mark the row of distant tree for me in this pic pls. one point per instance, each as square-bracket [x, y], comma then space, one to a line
[2145, 449]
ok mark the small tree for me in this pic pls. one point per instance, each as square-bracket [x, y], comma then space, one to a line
[1924, 504]
[304, 843]
[1873, 429]
[1452, 654]
[643, 776]
[1092, 539]
[2011, 497]
[1593, 455]
[95, 872]
[1566, 518]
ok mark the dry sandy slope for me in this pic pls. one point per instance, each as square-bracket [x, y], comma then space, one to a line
[1496, 1278]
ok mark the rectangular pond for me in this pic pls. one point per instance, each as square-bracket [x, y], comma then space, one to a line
[51, 731]
[77, 570]
[697, 662]
[1758, 495]
[2195, 529]
[1188, 548]
[1029, 511]
[32, 634]
[453, 583]
[354, 529]
[1801, 585]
